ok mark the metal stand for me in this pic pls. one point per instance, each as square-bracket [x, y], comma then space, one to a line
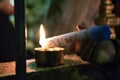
[20, 38]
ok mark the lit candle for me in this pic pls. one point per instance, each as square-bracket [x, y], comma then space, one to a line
[46, 56]
[42, 36]
[97, 33]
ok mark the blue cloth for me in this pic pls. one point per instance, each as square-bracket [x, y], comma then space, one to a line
[99, 33]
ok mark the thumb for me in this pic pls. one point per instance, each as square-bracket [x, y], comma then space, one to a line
[79, 27]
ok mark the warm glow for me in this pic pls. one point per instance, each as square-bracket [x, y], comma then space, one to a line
[42, 36]
[49, 49]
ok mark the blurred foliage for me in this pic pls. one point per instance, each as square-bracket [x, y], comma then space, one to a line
[36, 11]
[55, 8]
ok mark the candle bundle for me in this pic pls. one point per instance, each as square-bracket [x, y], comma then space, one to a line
[97, 33]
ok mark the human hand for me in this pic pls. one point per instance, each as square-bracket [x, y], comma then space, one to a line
[82, 47]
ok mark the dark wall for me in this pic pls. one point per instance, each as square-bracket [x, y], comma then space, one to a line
[117, 12]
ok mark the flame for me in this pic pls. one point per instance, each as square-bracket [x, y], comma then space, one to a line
[42, 36]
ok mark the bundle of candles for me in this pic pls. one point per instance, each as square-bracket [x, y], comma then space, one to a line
[97, 33]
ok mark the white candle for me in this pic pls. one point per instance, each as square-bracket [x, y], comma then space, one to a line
[95, 33]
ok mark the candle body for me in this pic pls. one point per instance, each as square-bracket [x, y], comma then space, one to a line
[65, 39]
[99, 33]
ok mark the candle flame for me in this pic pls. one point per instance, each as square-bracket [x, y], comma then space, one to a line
[42, 36]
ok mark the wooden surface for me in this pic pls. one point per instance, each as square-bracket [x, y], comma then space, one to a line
[8, 68]
[74, 68]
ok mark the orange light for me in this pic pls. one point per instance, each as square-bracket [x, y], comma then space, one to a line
[42, 36]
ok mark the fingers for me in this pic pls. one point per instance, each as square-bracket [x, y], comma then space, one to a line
[79, 27]
[75, 46]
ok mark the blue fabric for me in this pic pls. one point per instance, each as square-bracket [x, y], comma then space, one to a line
[99, 33]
